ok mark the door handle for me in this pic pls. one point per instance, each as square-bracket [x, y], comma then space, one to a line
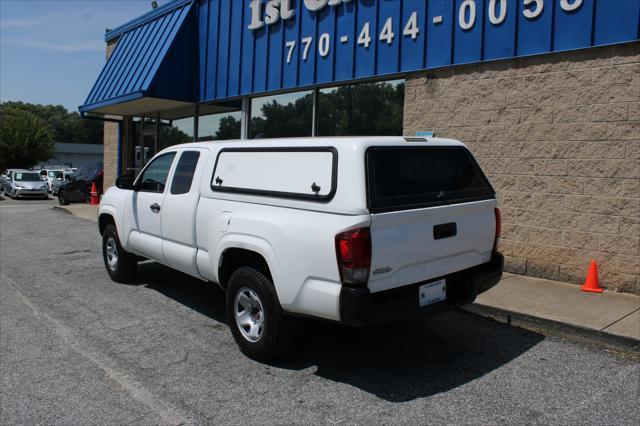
[154, 207]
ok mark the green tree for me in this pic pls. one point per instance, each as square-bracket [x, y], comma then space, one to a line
[25, 139]
[170, 136]
[229, 128]
[363, 109]
[66, 126]
[281, 121]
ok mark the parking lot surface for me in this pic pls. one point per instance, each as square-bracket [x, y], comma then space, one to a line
[76, 348]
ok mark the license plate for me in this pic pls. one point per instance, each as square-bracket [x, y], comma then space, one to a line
[432, 293]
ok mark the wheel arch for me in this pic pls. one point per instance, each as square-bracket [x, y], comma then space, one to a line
[105, 219]
[233, 258]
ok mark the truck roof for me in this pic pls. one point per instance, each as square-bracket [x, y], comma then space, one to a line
[361, 141]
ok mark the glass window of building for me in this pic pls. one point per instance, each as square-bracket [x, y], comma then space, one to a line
[175, 132]
[362, 109]
[287, 115]
[141, 143]
[220, 126]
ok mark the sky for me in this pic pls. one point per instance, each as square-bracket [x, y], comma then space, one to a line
[51, 51]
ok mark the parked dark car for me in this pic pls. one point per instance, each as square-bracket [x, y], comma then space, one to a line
[78, 188]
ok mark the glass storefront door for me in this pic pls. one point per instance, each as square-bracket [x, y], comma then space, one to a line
[149, 141]
[142, 139]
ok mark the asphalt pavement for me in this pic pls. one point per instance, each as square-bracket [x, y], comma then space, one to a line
[76, 348]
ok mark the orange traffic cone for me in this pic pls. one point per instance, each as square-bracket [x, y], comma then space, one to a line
[591, 284]
[95, 200]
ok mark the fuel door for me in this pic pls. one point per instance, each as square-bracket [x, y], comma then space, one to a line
[223, 221]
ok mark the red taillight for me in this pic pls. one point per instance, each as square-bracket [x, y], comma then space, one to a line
[353, 250]
[498, 228]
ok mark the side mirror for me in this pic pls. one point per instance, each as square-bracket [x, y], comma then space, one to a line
[125, 182]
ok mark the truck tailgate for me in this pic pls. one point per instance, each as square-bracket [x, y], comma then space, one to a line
[417, 245]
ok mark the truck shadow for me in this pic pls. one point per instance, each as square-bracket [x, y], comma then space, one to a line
[397, 362]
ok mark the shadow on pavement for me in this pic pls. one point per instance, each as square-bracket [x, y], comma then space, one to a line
[207, 299]
[396, 362]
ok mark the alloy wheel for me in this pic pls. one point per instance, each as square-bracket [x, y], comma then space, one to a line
[112, 253]
[249, 314]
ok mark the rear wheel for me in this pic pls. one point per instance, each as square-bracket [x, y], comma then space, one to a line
[255, 317]
[62, 199]
[121, 265]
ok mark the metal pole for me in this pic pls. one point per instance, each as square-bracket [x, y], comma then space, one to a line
[314, 112]
[196, 118]
[246, 117]
[157, 138]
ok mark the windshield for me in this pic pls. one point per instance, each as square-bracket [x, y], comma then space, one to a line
[54, 173]
[27, 177]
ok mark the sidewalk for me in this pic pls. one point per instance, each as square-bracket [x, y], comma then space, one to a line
[85, 211]
[608, 317]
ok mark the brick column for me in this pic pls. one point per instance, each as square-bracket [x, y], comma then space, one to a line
[110, 154]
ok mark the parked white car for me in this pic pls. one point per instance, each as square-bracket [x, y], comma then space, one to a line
[357, 230]
[26, 184]
[53, 174]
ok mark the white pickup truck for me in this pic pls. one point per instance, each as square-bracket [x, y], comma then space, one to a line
[358, 230]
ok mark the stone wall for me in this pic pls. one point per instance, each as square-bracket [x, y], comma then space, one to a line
[110, 141]
[559, 137]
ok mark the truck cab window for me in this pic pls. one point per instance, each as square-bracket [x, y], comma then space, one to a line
[154, 177]
[183, 175]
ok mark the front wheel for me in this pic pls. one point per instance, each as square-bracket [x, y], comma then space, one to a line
[255, 317]
[121, 265]
[62, 199]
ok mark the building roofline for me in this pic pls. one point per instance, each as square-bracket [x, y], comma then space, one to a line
[153, 14]
[118, 99]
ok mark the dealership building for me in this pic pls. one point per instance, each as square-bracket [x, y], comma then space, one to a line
[546, 93]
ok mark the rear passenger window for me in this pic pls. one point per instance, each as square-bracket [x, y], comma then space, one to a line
[298, 173]
[183, 176]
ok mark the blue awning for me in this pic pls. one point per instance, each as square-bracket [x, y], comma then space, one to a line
[154, 60]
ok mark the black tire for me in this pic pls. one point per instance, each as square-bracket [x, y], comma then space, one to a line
[62, 199]
[123, 270]
[277, 332]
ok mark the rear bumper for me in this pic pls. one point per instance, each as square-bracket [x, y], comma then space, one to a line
[358, 306]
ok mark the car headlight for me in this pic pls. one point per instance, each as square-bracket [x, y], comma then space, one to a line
[18, 186]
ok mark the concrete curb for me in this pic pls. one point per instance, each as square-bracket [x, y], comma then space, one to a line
[61, 209]
[79, 210]
[561, 329]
